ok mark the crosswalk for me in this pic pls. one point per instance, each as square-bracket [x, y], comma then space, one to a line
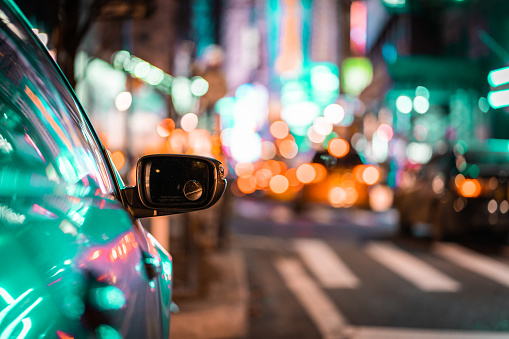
[332, 272]
[412, 269]
[328, 268]
[322, 268]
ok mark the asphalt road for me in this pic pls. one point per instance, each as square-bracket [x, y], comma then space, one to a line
[331, 273]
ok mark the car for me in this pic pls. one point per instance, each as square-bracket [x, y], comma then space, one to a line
[342, 182]
[76, 261]
[458, 191]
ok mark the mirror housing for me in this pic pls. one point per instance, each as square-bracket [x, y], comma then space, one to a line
[173, 183]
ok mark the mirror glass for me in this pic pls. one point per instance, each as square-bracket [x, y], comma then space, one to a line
[168, 180]
[193, 190]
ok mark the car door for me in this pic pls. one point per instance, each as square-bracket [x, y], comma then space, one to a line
[109, 261]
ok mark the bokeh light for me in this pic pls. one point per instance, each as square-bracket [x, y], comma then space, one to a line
[338, 147]
[123, 101]
[306, 173]
[320, 173]
[178, 141]
[165, 127]
[189, 121]
[246, 146]
[279, 184]
[291, 175]
[404, 104]
[118, 159]
[300, 114]
[275, 167]
[288, 149]
[470, 188]
[263, 176]
[334, 113]
[322, 126]
[380, 198]
[421, 104]
[337, 196]
[279, 129]
[371, 175]
[419, 153]
[245, 168]
[385, 132]
[422, 91]
[246, 184]
[199, 86]
[314, 137]
[268, 150]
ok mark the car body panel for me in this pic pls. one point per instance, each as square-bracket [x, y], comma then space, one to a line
[75, 262]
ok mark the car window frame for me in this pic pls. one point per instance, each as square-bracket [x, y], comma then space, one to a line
[110, 168]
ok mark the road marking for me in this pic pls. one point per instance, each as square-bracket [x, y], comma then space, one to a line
[407, 333]
[327, 318]
[475, 262]
[412, 269]
[328, 268]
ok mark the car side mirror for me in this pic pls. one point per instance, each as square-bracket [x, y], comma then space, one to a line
[172, 183]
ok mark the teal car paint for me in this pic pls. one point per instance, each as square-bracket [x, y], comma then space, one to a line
[76, 263]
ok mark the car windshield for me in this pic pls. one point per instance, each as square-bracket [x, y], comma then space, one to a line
[46, 145]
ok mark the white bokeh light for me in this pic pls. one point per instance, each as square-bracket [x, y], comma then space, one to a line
[334, 113]
[189, 122]
[322, 126]
[123, 101]
[246, 146]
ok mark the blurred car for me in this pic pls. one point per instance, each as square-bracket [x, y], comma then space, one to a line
[76, 262]
[341, 181]
[457, 192]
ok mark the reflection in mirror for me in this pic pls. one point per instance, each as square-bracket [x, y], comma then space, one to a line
[193, 190]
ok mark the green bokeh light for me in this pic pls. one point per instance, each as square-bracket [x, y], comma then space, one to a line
[107, 332]
[484, 105]
[395, 3]
[474, 171]
[199, 86]
[422, 91]
[142, 69]
[356, 74]
[499, 99]
[498, 77]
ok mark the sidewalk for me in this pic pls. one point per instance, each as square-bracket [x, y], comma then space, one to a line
[223, 311]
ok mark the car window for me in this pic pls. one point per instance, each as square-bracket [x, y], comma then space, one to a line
[44, 138]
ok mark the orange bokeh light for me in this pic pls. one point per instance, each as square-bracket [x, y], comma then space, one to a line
[306, 173]
[246, 184]
[288, 149]
[321, 173]
[279, 129]
[370, 175]
[245, 168]
[279, 184]
[470, 188]
[165, 127]
[337, 196]
[338, 147]
[118, 159]
[263, 177]
[291, 175]
[357, 173]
